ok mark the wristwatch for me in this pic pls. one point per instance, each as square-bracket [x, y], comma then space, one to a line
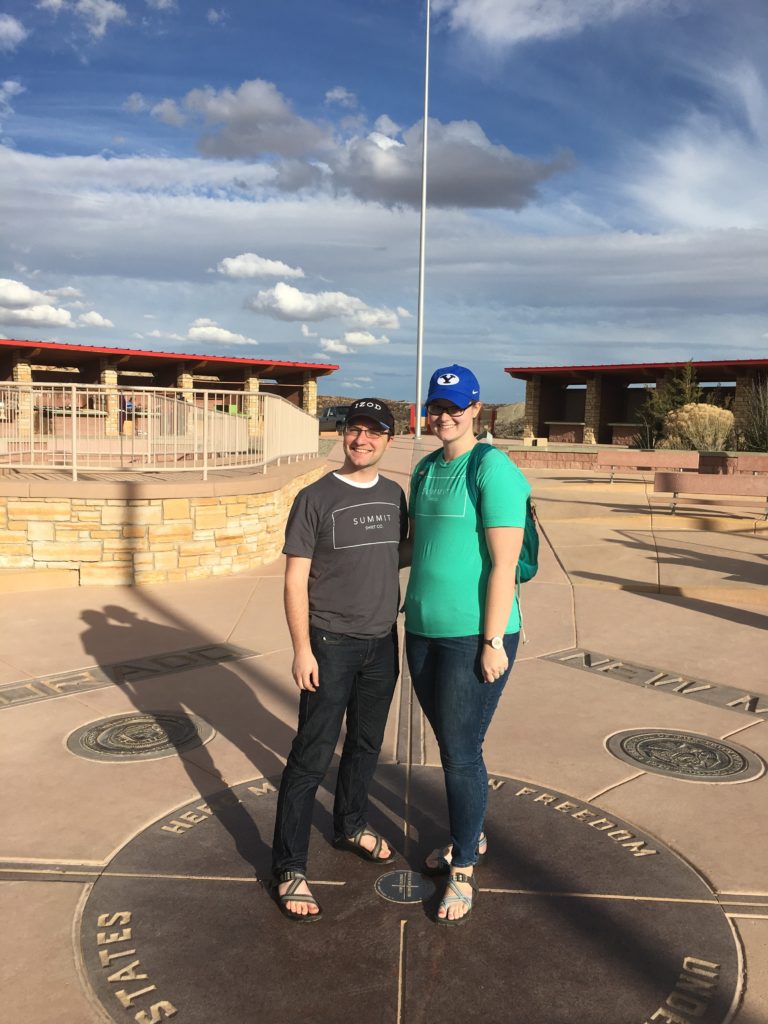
[496, 642]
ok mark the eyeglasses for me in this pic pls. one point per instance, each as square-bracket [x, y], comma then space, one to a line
[453, 410]
[358, 432]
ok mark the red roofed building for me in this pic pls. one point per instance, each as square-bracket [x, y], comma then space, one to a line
[56, 363]
[597, 404]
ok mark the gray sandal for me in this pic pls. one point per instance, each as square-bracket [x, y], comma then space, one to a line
[453, 895]
[290, 896]
[443, 865]
[352, 844]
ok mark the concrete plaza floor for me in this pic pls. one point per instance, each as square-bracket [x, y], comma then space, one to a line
[638, 620]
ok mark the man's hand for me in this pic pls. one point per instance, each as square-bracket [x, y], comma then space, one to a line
[304, 670]
[493, 664]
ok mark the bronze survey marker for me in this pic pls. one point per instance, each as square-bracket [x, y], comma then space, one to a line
[686, 755]
[140, 736]
[581, 916]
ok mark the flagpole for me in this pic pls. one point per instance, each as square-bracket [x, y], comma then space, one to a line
[422, 233]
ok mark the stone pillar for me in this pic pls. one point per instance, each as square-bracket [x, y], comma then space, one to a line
[22, 374]
[532, 421]
[252, 406]
[186, 383]
[309, 394]
[108, 378]
[592, 402]
[744, 382]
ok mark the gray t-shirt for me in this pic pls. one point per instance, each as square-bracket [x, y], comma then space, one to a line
[352, 536]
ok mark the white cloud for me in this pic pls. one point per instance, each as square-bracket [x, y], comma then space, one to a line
[216, 16]
[362, 339]
[162, 5]
[350, 384]
[307, 333]
[342, 96]
[94, 319]
[284, 302]
[506, 22]
[208, 331]
[50, 5]
[12, 32]
[403, 313]
[135, 103]
[16, 294]
[168, 112]
[8, 90]
[384, 125]
[466, 168]
[337, 347]
[37, 316]
[98, 15]
[253, 120]
[248, 264]
[708, 172]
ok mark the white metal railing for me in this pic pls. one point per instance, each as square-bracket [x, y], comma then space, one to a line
[99, 427]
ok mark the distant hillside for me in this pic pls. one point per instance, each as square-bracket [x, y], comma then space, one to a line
[508, 417]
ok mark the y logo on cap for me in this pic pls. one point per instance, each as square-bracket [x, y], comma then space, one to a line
[447, 378]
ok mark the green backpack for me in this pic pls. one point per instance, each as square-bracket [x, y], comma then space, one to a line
[528, 562]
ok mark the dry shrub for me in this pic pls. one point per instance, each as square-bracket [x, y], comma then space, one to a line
[698, 426]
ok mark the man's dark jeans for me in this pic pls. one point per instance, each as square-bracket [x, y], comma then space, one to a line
[357, 678]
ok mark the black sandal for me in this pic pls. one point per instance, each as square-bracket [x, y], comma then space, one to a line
[352, 844]
[290, 896]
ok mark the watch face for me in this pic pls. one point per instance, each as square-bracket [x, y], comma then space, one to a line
[497, 643]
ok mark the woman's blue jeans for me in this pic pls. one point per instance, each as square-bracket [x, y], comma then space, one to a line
[357, 680]
[459, 706]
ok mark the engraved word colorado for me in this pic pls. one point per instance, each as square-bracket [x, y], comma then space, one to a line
[358, 526]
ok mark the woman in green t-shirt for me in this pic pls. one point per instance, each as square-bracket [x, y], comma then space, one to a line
[461, 617]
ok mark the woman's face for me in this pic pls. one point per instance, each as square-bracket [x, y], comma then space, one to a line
[450, 423]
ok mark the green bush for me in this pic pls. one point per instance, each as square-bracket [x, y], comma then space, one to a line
[754, 420]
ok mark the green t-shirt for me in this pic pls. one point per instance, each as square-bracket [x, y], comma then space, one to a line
[451, 562]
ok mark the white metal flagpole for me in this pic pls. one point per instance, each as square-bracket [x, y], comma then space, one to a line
[422, 234]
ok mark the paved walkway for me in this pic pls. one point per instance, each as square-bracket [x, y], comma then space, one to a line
[615, 892]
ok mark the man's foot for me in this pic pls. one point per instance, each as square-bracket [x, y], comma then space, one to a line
[439, 861]
[459, 897]
[368, 844]
[295, 898]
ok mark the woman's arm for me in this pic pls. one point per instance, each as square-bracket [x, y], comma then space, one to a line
[504, 543]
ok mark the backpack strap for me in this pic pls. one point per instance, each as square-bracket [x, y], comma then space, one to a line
[422, 470]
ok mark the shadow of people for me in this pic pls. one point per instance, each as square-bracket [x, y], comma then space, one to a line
[210, 690]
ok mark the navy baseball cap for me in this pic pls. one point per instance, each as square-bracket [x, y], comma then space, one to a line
[372, 409]
[456, 384]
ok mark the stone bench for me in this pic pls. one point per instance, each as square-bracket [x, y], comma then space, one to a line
[709, 485]
[752, 463]
[660, 458]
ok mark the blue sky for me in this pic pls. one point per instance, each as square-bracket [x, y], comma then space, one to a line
[243, 178]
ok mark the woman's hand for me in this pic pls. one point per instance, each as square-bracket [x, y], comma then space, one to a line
[493, 664]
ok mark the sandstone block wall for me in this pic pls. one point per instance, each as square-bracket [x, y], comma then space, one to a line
[122, 540]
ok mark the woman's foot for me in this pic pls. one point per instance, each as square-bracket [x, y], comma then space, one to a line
[459, 897]
[439, 861]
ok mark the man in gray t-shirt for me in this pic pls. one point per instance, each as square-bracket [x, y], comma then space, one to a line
[341, 601]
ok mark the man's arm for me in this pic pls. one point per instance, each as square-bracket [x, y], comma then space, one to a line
[504, 543]
[296, 597]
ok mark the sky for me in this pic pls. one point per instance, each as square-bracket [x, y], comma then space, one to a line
[243, 179]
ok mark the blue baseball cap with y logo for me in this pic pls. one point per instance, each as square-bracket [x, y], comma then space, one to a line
[456, 384]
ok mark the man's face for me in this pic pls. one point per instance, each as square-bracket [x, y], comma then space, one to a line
[364, 441]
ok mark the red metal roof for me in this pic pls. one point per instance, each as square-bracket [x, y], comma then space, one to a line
[94, 350]
[524, 372]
